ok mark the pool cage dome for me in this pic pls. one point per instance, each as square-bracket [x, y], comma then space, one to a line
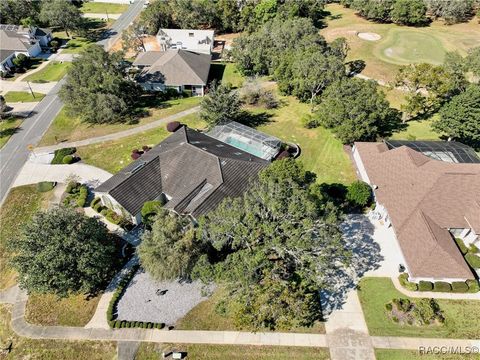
[247, 139]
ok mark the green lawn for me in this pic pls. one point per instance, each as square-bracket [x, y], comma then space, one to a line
[52, 72]
[417, 130]
[23, 96]
[384, 354]
[231, 75]
[149, 351]
[68, 128]
[8, 127]
[101, 7]
[461, 316]
[23, 348]
[321, 152]
[49, 310]
[114, 155]
[18, 208]
[204, 317]
[405, 43]
[75, 46]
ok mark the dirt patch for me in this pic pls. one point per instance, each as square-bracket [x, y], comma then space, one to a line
[369, 36]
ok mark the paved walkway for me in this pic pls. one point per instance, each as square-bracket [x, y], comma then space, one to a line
[435, 295]
[44, 88]
[102, 16]
[99, 319]
[347, 332]
[120, 134]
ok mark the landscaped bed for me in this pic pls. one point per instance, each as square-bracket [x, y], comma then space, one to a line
[461, 316]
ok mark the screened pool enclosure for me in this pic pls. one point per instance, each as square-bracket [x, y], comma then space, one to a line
[247, 139]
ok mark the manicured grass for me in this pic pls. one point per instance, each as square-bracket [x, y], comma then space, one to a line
[149, 351]
[232, 75]
[68, 128]
[49, 310]
[321, 152]
[8, 127]
[114, 155]
[461, 316]
[21, 203]
[204, 317]
[23, 348]
[52, 72]
[408, 43]
[387, 354]
[101, 7]
[23, 96]
[75, 46]
[417, 130]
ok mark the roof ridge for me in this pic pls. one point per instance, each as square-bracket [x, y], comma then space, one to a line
[179, 54]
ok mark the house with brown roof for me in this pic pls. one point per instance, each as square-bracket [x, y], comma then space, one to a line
[427, 201]
[182, 70]
[190, 172]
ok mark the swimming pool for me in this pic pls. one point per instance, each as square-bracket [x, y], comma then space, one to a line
[251, 149]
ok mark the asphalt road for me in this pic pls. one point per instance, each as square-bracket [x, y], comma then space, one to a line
[16, 151]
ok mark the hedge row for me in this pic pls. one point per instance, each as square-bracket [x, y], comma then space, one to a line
[121, 324]
[471, 286]
[112, 306]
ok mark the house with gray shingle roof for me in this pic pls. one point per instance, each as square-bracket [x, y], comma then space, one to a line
[181, 70]
[429, 202]
[15, 39]
[190, 172]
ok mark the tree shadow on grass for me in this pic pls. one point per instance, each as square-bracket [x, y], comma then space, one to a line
[358, 234]
[216, 72]
[254, 119]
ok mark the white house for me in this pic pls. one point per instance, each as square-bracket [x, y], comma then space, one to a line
[200, 41]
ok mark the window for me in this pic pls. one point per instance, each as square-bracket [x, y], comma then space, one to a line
[190, 34]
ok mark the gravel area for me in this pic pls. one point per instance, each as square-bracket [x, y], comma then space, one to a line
[143, 299]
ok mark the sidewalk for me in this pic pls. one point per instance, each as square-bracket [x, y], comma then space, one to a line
[120, 134]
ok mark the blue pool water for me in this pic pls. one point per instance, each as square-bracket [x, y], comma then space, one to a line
[245, 147]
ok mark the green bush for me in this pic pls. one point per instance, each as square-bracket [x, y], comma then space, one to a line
[45, 186]
[82, 196]
[473, 286]
[441, 286]
[425, 286]
[459, 287]
[461, 245]
[474, 249]
[72, 187]
[388, 307]
[473, 260]
[149, 210]
[359, 194]
[68, 159]
[403, 279]
[95, 202]
[61, 153]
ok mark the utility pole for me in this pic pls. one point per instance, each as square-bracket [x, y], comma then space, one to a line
[31, 91]
[107, 14]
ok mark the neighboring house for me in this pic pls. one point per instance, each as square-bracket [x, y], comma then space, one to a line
[16, 40]
[190, 172]
[181, 70]
[428, 202]
[186, 39]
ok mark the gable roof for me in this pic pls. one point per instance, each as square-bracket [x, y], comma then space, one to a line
[12, 39]
[174, 67]
[196, 172]
[424, 198]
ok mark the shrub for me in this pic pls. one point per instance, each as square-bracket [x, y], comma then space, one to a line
[68, 159]
[426, 310]
[461, 245]
[54, 44]
[473, 260]
[359, 194]
[116, 324]
[441, 286]
[473, 286]
[150, 209]
[403, 279]
[61, 153]
[308, 121]
[388, 307]
[173, 126]
[72, 187]
[95, 202]
[474, 249]
[82, 196]
[104, 211]
[425, 286]
[459, 287]
[135, 155]
[146, 148]
[116, 297]
[45, 186]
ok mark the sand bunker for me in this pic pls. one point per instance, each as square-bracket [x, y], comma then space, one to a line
[369, 36]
